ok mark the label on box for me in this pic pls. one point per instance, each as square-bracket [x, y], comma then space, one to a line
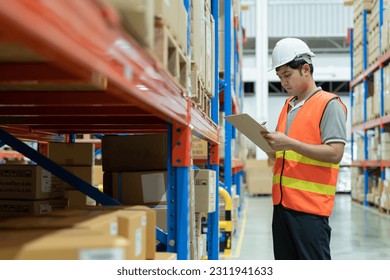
[143, 221]
[45, 181]
[114, 228]
[44, 208]
[102, 254]
[138, 242]
[153, 187]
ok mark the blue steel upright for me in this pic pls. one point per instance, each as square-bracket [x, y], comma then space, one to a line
[228, 97]
[351, 53]
[365, 84]
[178, 231]
[213, 218]
[381, 74]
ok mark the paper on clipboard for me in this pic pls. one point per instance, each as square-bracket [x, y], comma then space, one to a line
[251, 129]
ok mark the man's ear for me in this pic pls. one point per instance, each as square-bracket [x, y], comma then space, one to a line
[306, 69]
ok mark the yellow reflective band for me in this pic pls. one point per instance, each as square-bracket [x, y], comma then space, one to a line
[293, 156]
[308, 186]
[279, 154]
[276, 179]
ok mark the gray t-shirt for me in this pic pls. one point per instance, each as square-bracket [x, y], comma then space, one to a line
[333, 128]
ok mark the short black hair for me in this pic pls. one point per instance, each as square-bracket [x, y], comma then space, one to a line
[297, 64]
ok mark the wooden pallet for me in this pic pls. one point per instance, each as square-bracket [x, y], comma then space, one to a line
[197, 84]
[171, 54]
[373, 117]
[359, 6]
[384, 210]
[207, 105]
[198, 91]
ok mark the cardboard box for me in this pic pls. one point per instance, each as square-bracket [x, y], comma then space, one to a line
[68, 244]
[209, 51]
[256, 164]
[182, 25]
[103, 221]
[137, 17]
[150, 229]
[27, 182]
[161, 216]
[150, 223]
[167, 10]
[205, 189]
[97, 175]
[132, 225]
[165, 256]
[83, 172]
[128, 224]
[11, 208]
[138, 188]
[259, 176]
[78, 199]
[199, 148]
[72, 153]
[134, 153]
[197, 36]
[201, 242]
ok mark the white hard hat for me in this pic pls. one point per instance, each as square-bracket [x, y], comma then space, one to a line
[289, 49]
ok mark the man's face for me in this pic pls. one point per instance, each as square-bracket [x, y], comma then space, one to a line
[292, 80]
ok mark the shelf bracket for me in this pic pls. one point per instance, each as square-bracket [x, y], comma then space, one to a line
[181, 145]
[221, 84]
[161, 236]
[214, 154]
[56, 169]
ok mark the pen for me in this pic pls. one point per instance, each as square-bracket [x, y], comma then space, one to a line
[263, 123]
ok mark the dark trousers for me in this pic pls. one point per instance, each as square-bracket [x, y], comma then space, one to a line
[300, 236]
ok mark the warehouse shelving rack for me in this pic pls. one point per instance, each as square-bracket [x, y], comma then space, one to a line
[87, 76]
[383, 119]
[230, 100]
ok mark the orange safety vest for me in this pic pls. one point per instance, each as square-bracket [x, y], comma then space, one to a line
[301, 183]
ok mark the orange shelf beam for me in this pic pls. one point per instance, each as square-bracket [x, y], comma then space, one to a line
[380, 63]
[84, 38]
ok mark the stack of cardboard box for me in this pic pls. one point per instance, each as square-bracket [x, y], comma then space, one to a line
[77, 158]
[27, 190]
[90, 233]
[258, 174]
[135, 168]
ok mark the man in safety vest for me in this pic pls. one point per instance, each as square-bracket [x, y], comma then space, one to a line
[309, 144]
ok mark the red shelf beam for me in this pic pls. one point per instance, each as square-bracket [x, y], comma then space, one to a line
[84, 39]
[371, 124]
[371, 163]
[380, 63]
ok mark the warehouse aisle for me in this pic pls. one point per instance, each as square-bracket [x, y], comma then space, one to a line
[359, 233]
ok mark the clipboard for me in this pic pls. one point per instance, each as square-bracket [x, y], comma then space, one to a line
[251, 129]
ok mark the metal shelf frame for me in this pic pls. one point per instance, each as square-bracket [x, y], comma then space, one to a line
[213, 159]
[89, 44]
[125, 90]
[362, 78]
[80, 42]
[230, 98]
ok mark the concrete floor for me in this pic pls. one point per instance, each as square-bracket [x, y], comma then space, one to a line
[358, 233]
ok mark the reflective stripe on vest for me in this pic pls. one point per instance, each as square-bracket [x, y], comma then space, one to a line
[301, 183]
